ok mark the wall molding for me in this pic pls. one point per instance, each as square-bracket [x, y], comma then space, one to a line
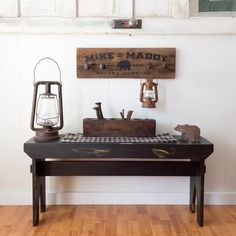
[103, 26]
[91, 198]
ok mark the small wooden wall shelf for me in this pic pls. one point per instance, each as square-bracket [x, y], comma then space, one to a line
[126, 63]
[119, 127]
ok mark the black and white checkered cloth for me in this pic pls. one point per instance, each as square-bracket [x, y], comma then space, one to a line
[79, 138]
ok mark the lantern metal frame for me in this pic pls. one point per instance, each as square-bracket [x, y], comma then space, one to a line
[47, 133]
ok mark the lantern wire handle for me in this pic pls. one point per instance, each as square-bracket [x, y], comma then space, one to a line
[47, 58]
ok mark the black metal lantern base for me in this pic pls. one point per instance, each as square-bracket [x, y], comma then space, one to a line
[46, 135]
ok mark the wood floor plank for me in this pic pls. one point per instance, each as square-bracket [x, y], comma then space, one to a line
[117, 220]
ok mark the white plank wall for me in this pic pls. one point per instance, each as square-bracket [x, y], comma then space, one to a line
[203, 92]
[180, 8]
[9, 8]
[93, 8]
[59, 8]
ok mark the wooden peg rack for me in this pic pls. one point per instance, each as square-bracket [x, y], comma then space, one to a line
[126, 63]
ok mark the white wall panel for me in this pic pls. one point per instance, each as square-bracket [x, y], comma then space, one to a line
[203, 93]
[10, 118]
[98, 8]
[67, 8]
[152, 8]
[8, 8]
[63, 8]
[124, 8]
[180, 8]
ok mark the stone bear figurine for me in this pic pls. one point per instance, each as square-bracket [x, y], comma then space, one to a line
[189, 132]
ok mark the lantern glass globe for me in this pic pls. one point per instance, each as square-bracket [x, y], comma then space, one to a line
[47, 112]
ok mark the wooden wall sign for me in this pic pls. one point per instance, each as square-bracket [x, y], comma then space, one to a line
[126, 63]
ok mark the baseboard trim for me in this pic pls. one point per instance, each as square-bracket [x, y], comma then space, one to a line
[220, 198]
[212, 198]
[118, 198]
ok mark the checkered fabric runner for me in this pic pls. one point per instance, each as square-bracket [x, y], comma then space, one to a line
[79, 138]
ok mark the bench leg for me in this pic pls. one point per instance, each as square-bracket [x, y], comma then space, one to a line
[200, 194]
[42, 194]
[192, 195]
[35, 188]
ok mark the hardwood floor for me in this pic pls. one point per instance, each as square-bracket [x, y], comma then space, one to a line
[117, 220]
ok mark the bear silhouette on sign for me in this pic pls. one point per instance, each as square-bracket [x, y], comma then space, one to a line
[124, 65]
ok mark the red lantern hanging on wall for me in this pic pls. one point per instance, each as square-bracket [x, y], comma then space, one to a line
[148, 93]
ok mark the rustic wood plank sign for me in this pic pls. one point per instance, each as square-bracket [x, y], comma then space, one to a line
[126, 63]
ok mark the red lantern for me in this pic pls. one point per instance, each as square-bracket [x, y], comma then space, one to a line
[148, 93]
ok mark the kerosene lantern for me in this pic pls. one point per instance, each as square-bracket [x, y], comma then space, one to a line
[47, 111]
[148, 93]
